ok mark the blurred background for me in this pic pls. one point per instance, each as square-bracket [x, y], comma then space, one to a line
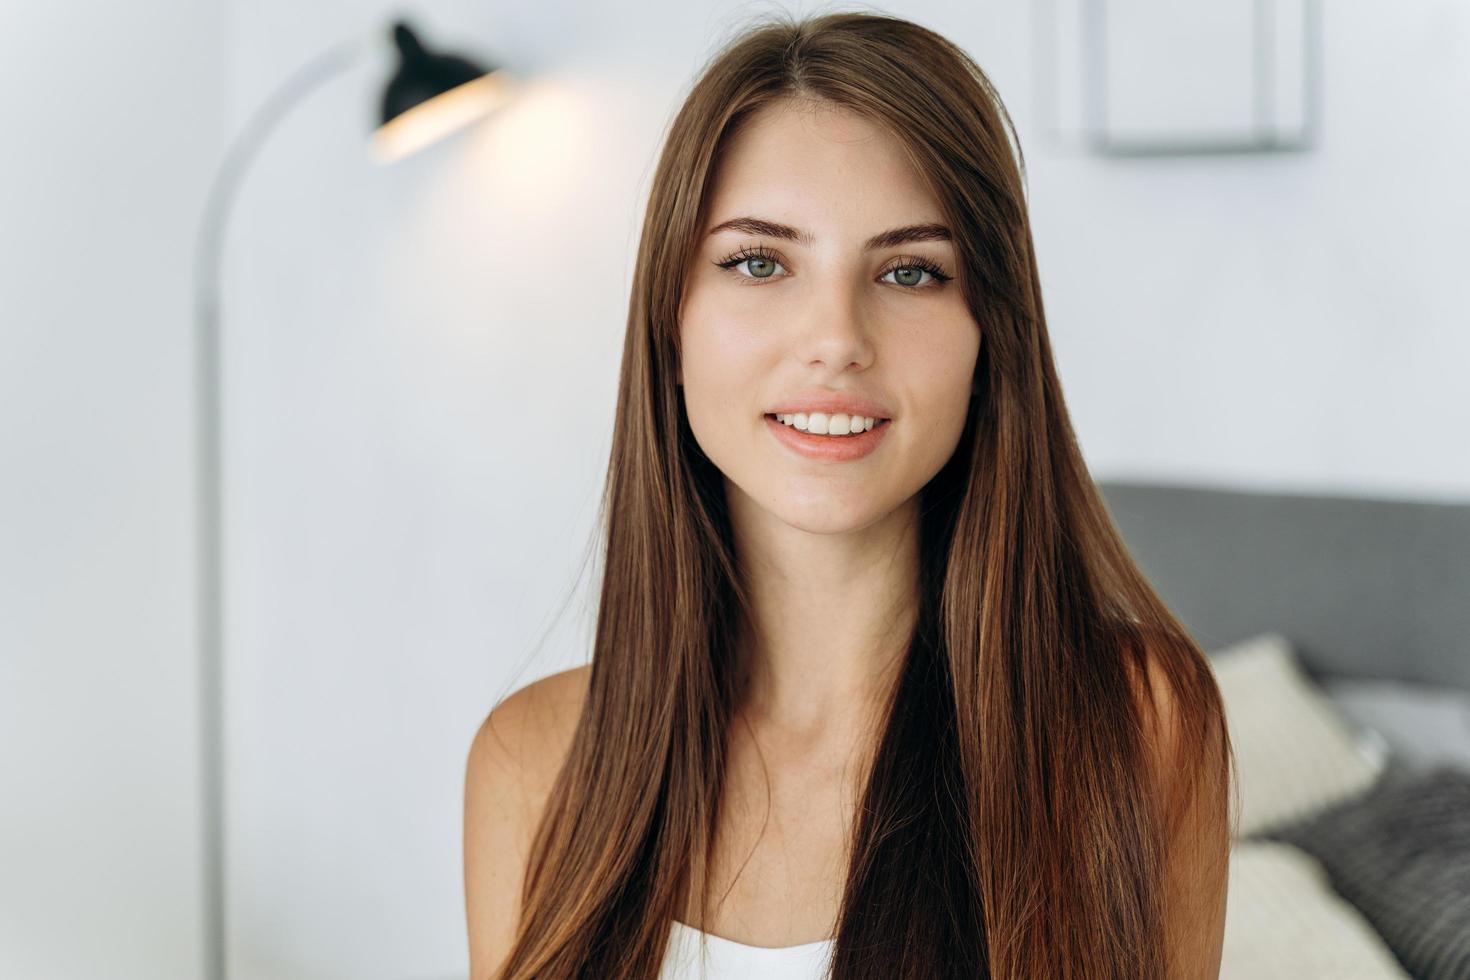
[1253, 259]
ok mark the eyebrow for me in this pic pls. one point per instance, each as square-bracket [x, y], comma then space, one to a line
[928, 232]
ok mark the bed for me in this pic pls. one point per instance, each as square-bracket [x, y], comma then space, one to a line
[1339, 630]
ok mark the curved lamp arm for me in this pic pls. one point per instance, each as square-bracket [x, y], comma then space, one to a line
[208, 461]
[432, 93]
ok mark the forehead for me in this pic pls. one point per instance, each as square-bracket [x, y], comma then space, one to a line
[819, 162]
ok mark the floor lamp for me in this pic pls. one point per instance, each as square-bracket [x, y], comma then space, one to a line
[430, 95]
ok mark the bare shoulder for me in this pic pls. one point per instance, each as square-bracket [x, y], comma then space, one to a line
[513, 762]
[531, 729]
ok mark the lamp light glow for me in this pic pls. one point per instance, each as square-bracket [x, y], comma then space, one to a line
[439, 116]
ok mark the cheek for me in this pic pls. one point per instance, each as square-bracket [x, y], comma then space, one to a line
[724, 366]
[942, 398]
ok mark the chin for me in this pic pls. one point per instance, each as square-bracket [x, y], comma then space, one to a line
[819, 514]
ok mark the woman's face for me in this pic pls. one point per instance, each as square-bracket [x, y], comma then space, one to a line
[832, 315]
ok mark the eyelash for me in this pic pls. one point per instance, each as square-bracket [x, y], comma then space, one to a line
[938, 277]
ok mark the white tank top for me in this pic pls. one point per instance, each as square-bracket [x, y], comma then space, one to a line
[729, 960]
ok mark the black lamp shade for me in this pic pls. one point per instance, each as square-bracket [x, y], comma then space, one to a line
[422, 74]
[430, 94]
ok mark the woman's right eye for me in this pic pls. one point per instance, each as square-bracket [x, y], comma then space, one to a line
[759, 265]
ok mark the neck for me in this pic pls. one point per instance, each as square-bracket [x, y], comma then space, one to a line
[830, 621]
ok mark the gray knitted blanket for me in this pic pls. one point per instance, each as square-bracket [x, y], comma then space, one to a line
[1401, 854]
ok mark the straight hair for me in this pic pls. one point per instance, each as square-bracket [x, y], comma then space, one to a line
[1011, 825]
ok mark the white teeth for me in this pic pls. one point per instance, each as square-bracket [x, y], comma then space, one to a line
[820, 423]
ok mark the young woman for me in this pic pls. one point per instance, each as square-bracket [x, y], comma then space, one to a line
[876, 686]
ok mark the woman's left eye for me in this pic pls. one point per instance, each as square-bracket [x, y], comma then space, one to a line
[913, 276]
[910, 270]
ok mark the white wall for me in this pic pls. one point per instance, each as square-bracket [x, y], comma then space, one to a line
[1287, 321]
[419, 416]
[111, 125]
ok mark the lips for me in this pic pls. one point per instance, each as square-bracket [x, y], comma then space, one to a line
[834, 449]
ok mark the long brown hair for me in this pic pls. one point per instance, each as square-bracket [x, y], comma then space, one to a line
[1010, 826]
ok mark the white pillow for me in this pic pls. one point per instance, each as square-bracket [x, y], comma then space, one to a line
[1283, 921]
[1295, 753]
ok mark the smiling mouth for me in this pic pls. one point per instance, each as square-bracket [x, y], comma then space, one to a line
[788, 420]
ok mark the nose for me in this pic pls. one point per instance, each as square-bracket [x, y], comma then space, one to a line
[836, 329]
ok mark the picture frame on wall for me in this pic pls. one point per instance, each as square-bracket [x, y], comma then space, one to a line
[1150, 77]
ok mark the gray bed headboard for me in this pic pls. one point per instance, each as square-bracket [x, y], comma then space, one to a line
[1362, 587]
